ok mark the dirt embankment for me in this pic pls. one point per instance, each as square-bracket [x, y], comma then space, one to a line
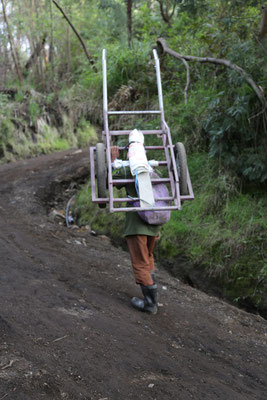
[66, 326]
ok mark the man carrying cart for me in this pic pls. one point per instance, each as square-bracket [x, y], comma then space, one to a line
[141, 238]
[151, 200]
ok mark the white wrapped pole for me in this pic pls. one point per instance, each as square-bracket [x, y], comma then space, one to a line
[137, 153]
[140, 168]
[122, 164]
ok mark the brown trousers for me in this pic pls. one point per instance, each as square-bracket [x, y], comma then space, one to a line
[141, 251]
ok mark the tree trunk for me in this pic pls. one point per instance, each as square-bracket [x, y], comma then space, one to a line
[12, 45]
[129, 21]
[39, 61]
[166, 13]
[51, 45]
[5, 63]
[263, 24]
[35, 54]
[68, 50]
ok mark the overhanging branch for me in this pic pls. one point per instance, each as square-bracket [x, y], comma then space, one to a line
[259, 92]
[77, 34]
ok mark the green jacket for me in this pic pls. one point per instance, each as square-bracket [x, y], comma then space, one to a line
[134, 225]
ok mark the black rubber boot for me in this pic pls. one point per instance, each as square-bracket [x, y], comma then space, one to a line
[150, 302]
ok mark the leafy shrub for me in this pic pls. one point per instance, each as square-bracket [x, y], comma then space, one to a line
[86, 134]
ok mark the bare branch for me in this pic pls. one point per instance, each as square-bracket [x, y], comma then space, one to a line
[187, 78]
[77, 34]
[259, 91]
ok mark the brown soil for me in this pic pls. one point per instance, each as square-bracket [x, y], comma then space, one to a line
[66, 325]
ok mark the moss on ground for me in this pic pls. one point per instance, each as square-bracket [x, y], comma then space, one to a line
[18, 144]
[33, 124]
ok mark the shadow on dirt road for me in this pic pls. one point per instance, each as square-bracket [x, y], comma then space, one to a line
[66, 327]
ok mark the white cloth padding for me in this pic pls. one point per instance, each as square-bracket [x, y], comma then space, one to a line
[136, 136]
[137, 153]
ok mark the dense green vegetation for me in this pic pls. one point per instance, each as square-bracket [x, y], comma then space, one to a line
[56, 102]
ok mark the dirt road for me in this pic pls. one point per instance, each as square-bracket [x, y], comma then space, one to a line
[66, 326]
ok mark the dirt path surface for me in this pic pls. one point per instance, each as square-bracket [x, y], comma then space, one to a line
[68, 331]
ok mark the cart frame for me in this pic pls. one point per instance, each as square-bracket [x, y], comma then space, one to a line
[167, 146]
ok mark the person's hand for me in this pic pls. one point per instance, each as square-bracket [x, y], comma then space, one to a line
[114, 153]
